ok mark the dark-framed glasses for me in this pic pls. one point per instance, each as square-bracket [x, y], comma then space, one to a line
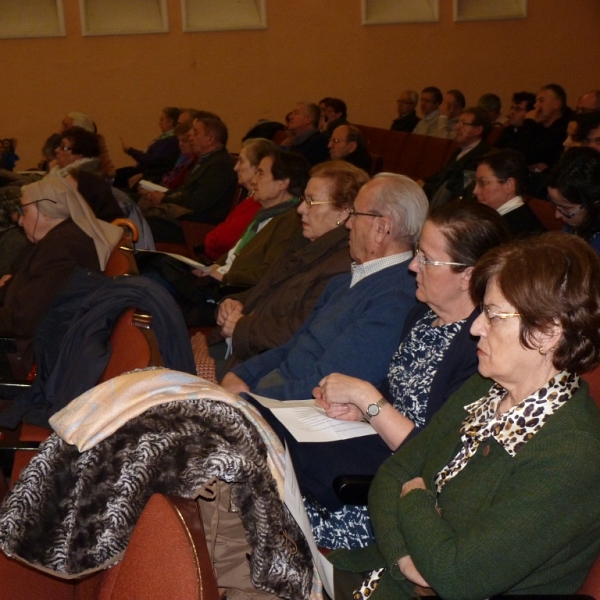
[352, 213]
[494, 315]
[568, 214]
[434, 263]
[22, 206]
[310, 202]
[63, 147]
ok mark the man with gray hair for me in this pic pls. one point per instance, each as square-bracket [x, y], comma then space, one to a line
[304, 135]
[356, 325]
[204, 194]
[407, 115]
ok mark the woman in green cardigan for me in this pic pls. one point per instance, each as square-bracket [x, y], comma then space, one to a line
[500, 493]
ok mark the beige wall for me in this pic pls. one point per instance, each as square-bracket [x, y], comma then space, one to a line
[312, 48]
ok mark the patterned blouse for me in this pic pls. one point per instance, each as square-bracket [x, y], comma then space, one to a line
[411, 373]
[415, 364]
[511, 429]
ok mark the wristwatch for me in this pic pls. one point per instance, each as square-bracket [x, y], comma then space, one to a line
[374, 409]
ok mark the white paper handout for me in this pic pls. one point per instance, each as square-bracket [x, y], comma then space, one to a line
[180, 258]
[293, 500]
[152, 187]
[308, 423]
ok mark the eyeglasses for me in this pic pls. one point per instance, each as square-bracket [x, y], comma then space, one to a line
[65, 148]
[485, 182]
[310, 202]
[465, 124]
[435, 263]
[354, 213]
[337, 141]
[22, 206]
[566, 214]
[591, 141]
[492, 316]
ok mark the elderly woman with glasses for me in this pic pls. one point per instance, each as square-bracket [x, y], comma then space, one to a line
[272, 311]
[435, 357]
[64, 235]
[574, 189]
[499, 493]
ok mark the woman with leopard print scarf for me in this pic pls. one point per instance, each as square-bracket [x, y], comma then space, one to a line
[499, 494]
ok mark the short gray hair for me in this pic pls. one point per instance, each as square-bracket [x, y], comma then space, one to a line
[404, 202]
[82, 120]
[414, 97]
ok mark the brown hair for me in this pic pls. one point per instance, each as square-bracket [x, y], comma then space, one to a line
[470, 229]
[550, 279]
[345, 180]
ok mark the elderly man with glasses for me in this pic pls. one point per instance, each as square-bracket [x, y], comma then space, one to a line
[356, 324]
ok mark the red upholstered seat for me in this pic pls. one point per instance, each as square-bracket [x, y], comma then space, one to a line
[166, 557]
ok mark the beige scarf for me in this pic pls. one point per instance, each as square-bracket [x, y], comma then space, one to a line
[69, 203]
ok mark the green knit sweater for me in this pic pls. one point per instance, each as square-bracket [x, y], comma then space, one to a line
[523, 525]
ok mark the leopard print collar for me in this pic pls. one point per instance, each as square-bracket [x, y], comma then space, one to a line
[512, 429]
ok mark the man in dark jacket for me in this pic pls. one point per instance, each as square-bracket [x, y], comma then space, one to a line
[407, 116]
[347, 143]
[472, 128]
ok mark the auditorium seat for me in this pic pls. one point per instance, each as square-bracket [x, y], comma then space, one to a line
[167, 557]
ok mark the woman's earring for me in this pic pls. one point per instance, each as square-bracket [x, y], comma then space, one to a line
[541, 351]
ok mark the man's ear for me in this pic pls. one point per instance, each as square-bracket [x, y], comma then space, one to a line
[384, 227]
[353, 146]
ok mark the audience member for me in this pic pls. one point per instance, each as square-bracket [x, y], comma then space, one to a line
[265, 129]
[498, 496]
[407, 116]
[589, 130]
[278, 183]
[493, 105]
[78, 149]
[472, 128]
[347, 143]
[450, 110]
[551, 115]
[574, 138]
[65, 235]
[206, 192]
[574, 189]
[436, 356]
[322, 117]
[273, 310]
[336, 114]
[501, 178]
[519, 130]
[431, 98]
[364, 309]
[78, 119]
[588, 103]
[8, 155]
[159, 157]
[222, 238]
[305, 137]
[187, 115]
[186, 161]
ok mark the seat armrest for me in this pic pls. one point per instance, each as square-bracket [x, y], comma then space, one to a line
[353, 489]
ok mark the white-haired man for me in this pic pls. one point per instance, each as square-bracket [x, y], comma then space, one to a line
[357, 322]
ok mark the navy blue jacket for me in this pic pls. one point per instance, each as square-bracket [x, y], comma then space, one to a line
[318, 464]
[353, 331]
